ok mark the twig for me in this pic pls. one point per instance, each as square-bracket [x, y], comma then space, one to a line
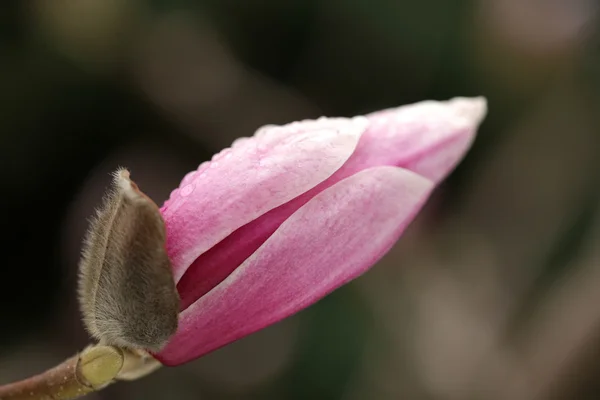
[93, 369]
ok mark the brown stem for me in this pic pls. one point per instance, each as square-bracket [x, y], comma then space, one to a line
[60, 382]
[95, 368]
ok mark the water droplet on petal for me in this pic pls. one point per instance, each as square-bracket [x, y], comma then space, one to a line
[172, 195]
[223, 154]
[263, 130]
[188, 177]
[202, 167]
[239, 142]
[361, 119]
[187, 190]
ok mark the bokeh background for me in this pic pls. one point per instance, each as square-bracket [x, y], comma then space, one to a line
[494, 291]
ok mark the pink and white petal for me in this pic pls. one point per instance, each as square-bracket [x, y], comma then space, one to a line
[330, 240]
[269, 133]
[429, 137]
[244, 182]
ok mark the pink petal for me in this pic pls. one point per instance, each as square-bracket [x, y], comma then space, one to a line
[251, 178]
[333, 238]
[429, 138]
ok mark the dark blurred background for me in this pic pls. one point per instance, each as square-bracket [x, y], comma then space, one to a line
[494, 291]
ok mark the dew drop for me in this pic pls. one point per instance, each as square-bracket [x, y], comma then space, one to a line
[188, 177]
[263, 130]
[224, 154]
[187, 190]
[239, 142]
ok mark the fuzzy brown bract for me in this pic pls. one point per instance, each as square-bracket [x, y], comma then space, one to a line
[126, 290]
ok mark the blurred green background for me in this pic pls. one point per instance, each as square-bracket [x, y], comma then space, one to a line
[494, 291]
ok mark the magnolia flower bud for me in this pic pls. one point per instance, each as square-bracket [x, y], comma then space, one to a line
[282, 218]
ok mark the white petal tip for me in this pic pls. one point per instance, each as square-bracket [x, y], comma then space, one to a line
[472, 108]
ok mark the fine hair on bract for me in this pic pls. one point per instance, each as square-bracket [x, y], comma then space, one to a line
[126, 290]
